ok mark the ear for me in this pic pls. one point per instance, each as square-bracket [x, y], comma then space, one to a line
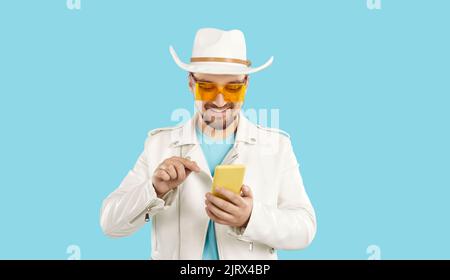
[247, 78]
[191, 83]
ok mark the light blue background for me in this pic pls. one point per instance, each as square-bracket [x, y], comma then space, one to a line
[363, 93]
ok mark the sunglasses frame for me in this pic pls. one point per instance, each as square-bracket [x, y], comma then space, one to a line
[220, 90]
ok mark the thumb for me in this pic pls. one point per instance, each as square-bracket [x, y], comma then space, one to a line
[246, 191]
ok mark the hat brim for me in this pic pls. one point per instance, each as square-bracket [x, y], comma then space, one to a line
[223, 68]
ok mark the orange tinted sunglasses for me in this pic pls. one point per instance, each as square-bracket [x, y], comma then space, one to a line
[208, 91]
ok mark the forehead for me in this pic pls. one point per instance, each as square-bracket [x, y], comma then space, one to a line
[219, 78]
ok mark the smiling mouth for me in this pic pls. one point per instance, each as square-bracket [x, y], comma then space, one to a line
[218, 110]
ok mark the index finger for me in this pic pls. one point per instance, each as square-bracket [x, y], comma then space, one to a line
[231, 196]
[189, 164]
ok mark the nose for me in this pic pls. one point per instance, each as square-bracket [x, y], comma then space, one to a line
[219, 101]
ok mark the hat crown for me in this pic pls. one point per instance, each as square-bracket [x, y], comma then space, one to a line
[212, 42]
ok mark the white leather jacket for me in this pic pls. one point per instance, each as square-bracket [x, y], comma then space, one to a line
[282, 216]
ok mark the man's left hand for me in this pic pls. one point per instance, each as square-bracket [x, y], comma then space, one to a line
[235, 211]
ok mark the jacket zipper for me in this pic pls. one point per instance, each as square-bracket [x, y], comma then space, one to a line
[228, 161]
[240, 238]
[147, 215]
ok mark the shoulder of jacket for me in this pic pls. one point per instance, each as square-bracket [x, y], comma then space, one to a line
[273, 130]
[162, 129]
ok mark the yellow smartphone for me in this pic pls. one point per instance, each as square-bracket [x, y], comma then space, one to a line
[229, 177]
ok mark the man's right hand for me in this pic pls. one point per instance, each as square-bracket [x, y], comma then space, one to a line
[172, 172]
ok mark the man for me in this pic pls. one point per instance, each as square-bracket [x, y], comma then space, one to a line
[171, 181]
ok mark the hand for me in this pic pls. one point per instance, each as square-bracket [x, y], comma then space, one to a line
[235, 211]
[172, 172]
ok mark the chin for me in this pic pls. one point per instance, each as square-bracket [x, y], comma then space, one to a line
[219, 121]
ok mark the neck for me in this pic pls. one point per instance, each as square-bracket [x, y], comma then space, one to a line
[216, 133]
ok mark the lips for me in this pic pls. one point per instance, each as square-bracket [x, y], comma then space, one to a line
[215, 107]
[218, 111]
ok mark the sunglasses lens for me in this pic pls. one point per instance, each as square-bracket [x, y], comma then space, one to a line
[208, 91]
[234, 92]
[205, 91]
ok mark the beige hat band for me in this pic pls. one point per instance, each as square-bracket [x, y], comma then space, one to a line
[221, 59]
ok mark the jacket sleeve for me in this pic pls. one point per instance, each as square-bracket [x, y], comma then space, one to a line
[292, 223]
[123, 211]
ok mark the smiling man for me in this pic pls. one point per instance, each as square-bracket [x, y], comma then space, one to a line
[171, 180]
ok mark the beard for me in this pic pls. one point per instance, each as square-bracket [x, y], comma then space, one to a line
[219, 117]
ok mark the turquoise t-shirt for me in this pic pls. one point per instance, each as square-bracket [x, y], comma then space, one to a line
[214, 151]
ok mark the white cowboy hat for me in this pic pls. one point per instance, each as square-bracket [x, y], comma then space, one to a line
[217, 51]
